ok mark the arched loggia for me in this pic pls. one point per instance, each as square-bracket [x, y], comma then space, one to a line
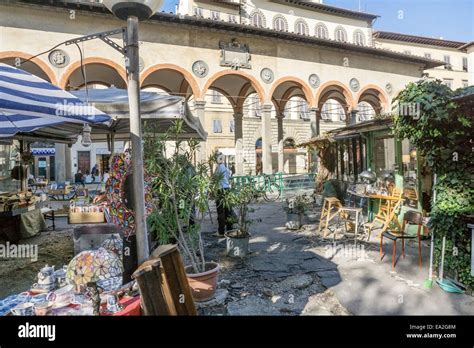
[292, 99]
[238, 87]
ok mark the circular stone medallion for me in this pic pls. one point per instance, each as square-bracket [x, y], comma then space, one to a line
[314, 80]
[267, 75]
[200, 68]
[355, 85]
[58, 58]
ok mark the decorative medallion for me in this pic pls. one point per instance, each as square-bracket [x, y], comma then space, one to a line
[355, 85]
[58, 58]
[389, 88]
[267, 75]
[314, 80]
[200, 68]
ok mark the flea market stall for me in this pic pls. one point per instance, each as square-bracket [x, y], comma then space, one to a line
[97, 280]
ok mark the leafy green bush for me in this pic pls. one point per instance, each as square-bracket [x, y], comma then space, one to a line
[180, 192]
[442, 133]
[240, 197]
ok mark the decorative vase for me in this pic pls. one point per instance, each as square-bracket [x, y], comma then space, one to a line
[237, 246]
[204, 284]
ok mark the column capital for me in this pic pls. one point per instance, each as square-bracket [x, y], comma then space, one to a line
[354, 111]
[267, 107]
[314, 109]
[199, 104]
[280, 116]
[238, 114]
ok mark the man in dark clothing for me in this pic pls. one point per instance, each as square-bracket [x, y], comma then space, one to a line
[223, 212]
[79, 178]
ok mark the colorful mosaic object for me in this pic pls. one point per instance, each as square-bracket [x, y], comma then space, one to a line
[93, 266]
[117, 211]
[114, 245]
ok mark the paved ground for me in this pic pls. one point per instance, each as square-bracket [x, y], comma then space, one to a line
[299, 272]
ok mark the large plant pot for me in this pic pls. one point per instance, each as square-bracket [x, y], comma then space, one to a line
[203, 285]
[237, 246]
[294, 221]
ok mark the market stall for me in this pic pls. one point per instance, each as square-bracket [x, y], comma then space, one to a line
[31, 108]
[91, 283]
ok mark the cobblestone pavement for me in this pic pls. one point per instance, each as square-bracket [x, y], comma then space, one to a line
[302, 273]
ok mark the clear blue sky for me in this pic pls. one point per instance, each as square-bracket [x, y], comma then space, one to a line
[450, 19]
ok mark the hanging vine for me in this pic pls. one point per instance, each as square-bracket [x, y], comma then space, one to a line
[441, 129]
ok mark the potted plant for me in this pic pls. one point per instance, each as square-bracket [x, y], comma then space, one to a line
[295, 208]
[239, 198]
[180, 193]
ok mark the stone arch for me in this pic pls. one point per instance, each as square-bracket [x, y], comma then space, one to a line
[359, 32]
[67, 74]
[181, 87]
[337, 91]
[40, 64]
[255, 136]
[291, 132]
[304, 24]
[257, 12]
[279, 17]
[343, 30]
[375, 96]
[236, 85]
[324, 29]
[286, 87]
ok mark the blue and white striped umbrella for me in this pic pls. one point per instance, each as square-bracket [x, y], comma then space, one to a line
[29, 104]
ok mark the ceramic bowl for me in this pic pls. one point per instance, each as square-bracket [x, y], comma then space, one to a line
[43, 308]
[23, 309]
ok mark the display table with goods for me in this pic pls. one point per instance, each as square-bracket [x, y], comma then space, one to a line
[91, 284]
[20, 215]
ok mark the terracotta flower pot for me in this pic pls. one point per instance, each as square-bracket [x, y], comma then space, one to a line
[203, 285]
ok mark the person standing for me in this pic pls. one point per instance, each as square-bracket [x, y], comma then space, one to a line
[79, 178]
[223, 211]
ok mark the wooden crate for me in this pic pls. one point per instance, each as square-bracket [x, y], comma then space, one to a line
[86, 218]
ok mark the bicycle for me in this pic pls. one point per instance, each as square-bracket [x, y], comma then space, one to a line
[272, 191]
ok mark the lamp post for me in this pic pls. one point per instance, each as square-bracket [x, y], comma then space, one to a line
[133, 11]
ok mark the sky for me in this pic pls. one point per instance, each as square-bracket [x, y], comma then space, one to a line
[449, 19]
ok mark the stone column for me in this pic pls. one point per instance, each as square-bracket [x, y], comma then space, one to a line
[68, 162]
[315, 122]
[353, 116]
[267, 139]
[60, 162]
[239, 142]
[281, 159]
[199, 106]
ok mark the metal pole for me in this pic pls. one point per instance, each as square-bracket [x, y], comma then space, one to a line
[136, 139]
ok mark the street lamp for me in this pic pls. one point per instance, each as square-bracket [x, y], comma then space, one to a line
[133, 11]
[142, 9]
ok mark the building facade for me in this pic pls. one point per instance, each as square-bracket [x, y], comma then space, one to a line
[262, 76]
[454, 73]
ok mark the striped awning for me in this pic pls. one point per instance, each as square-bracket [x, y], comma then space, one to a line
[29, 104]
[45, 151]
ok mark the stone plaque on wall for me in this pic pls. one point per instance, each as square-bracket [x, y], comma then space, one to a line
[235, 55]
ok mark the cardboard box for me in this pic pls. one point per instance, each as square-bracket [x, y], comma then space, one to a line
[86, 218]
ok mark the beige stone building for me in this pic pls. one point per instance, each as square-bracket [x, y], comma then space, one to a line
[284, 70]
[453, 73]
